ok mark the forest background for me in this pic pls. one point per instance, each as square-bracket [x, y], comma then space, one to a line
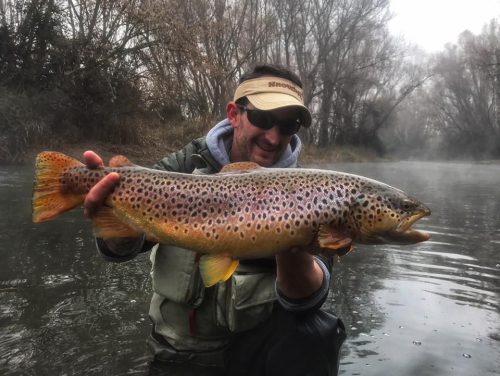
[153, 74]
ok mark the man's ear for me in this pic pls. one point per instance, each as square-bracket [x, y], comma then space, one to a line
[233, 114]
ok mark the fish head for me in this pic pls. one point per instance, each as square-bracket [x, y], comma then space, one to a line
[383, 214]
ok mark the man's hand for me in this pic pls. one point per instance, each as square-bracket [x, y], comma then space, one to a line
[98, 194]
[96, 198]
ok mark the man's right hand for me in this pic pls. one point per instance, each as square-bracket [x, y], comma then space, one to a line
[96, 198]
[98, 194]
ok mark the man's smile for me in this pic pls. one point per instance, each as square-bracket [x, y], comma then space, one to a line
[266, 147]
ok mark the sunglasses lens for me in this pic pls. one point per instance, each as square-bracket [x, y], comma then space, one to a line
[290, 127]
[265, 120]
[260, 119]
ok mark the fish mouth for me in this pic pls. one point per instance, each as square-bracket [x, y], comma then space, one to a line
[404, 234]
[411, 219]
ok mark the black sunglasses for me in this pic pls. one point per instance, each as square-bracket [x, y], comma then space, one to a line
[266, 120]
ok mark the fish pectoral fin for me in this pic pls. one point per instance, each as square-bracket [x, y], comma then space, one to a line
[216, 268]
[344, 251]
[239, 167]
[332, 238]
[120, 161]
[107, 225]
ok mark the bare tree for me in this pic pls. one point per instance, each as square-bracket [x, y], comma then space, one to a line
[201, 48]
[466, 93]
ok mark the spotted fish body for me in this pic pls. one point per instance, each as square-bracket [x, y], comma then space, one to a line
[243, 212]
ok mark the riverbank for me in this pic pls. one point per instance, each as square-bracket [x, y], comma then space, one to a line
[156, 150]
[155, 142]
[146, 156]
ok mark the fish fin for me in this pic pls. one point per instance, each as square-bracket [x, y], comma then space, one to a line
[49, 199]
[120, 161]
[344, 251]
[236, 167]
[107, 225]
[216, 268]
[331, 238]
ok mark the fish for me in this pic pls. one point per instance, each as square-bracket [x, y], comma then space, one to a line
[244, 211]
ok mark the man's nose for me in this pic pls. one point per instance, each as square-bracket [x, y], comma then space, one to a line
[273, 135]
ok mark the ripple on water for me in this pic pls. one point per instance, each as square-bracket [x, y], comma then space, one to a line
[449, 255]
[53, 280]
[443, 232]
[15, 349]
[89, 322]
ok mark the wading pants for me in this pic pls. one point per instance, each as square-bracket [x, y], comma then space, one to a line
[288, 344]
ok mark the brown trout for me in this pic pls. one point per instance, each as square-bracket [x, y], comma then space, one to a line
[245, 211]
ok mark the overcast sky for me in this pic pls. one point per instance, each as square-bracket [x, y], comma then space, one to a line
[433, 23]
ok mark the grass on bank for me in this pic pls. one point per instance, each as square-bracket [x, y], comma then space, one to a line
[153, 143]
[157, 143]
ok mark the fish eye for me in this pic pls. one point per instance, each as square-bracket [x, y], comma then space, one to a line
[408, 205]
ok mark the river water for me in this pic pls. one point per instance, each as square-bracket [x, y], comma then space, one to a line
[426, 309]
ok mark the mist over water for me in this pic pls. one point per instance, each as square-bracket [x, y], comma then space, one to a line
[426, 309]
[431, 308]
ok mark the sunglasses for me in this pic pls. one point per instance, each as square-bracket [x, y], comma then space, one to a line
[266, 120]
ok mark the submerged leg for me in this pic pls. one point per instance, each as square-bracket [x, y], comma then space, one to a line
[289, 344]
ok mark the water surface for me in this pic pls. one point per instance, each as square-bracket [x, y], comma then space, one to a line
[431, 308]
[426, 309]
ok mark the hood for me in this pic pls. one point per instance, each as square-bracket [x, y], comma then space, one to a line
[220, 138]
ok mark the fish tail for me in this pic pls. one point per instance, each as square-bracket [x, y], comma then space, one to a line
[49, 199]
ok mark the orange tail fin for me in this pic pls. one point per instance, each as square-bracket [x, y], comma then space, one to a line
[48, 198]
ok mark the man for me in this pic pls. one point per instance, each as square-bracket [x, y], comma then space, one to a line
[265, 320]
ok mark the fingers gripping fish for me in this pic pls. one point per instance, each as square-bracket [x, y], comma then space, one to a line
[245, 211]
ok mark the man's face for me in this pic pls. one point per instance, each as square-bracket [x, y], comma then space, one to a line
[251, 143]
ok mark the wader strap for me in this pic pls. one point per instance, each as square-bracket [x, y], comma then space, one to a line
[192, 311]
[192, 321]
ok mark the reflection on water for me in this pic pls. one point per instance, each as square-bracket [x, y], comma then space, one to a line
[63, 310]
[427, 309]
[431, 308]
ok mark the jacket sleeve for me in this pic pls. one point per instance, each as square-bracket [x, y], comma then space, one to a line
[316, 300]
[179, 161]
